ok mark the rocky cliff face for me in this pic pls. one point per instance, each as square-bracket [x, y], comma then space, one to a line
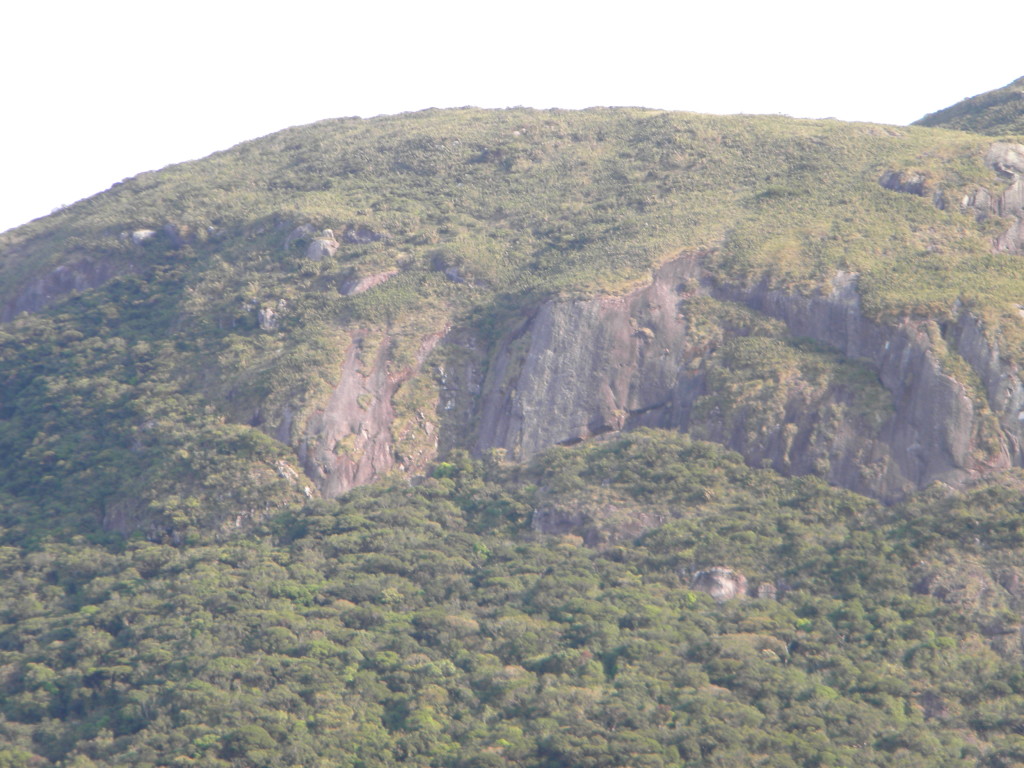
[357, 436]
[949, 404]
[940, 429]
[803, 383]
[1007, 160]
[881, 409]
[575, 369]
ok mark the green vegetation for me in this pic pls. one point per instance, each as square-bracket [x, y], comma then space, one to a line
[996, 113]
[478, 215]
[520, 200]
[174, 592]
[429, 626]
[762, 373]
[98, 430]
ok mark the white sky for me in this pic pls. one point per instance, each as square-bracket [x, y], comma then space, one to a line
[94, 92]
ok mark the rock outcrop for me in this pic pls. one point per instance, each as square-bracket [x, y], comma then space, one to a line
[299, 234]
[86, 271]
[599, 522]
[575, 369]
[914, 183]
[940, 430]
[1007, 160]
[358, 234]
[269, 318]
[721, 583]
[322, 247]
[579, 368]
[83, 274]
[354, 438]
[356, 285]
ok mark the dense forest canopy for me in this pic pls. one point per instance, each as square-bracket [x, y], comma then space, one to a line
[431, 625]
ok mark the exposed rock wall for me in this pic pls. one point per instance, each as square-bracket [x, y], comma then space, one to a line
[1001, 379]
[351, 441]
[1007, 160]
[574, 369]
[723, 584]
[937, 432]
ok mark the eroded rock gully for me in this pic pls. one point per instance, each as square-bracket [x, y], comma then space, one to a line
[354, 438]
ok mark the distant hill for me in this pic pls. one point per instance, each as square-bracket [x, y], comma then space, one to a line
[994, 113]
[479, 438]
[303, 313]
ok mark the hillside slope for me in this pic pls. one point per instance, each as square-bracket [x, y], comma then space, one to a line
[664, 605]
[995, 113]
[386, 442]
[302, 313]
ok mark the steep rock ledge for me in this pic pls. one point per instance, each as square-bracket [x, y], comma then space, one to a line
[1008, 161]
[999, 376]
[576, 369]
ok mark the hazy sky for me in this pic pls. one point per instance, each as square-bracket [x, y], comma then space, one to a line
[95, 92]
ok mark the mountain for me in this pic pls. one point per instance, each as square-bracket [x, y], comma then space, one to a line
[995, 113]
[472, 438]
[306, 312]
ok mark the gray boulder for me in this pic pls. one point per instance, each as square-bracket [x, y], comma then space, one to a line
[721, 583]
